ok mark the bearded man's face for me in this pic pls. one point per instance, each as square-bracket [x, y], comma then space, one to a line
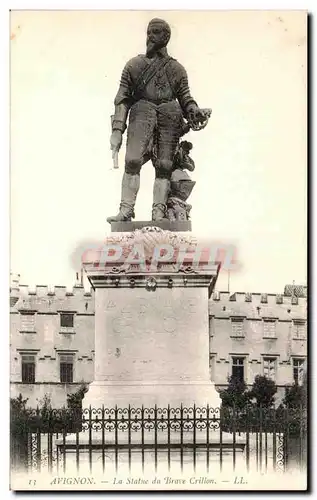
[156, 38]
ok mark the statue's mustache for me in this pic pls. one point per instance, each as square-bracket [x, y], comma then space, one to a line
[150, 43]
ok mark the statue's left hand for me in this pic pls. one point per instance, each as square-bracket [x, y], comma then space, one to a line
[198, 115]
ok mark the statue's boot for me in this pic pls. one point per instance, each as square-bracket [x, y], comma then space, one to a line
[160, 195]
[129, 191]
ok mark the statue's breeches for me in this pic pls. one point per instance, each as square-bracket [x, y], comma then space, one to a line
[162, 123]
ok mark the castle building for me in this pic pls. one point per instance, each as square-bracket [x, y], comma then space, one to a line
[259, 333]
[52, 339]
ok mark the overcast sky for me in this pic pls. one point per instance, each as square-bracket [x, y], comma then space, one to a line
[251, 169]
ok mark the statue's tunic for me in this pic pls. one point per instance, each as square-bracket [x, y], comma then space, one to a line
[160, 107]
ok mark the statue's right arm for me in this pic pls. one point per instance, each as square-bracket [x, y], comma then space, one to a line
[122, 100]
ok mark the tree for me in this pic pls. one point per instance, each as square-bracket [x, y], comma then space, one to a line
[74, 400]
[18, 429]
[263, 391]
[235, 395]
[295, 396]
[74, 406]
[18, 414]
[18, 405]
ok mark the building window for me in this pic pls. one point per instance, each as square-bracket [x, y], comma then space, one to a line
[28, 322]
[269, 368]
[66, 365]
[238, 368]
[298, 370]
[67, 320]
[269, 328]
[299, 329]
[237, 327]
[28, 368]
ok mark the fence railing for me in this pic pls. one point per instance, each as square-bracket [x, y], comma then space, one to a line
[257, 439]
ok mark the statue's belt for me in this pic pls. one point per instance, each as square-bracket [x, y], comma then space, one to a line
[158, 102]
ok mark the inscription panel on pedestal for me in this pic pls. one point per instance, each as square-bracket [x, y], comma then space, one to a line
[153, 335]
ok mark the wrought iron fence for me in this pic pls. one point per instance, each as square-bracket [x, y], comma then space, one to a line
[257, 439]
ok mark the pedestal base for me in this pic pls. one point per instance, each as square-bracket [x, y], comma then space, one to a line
[136, 394]
[122, 227]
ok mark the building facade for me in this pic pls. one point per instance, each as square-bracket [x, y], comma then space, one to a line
[259, 333]
[51, 342]
[52, 339]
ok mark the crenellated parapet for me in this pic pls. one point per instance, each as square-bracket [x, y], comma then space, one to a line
[260, 297]
[258, 305]
[54, 291]
[49, 299]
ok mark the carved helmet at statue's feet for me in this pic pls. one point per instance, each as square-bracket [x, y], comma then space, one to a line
[158, 212]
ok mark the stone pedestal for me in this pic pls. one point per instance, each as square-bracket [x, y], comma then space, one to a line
[151, 325]
[151, 356]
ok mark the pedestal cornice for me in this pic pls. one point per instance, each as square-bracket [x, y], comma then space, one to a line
[133, 259]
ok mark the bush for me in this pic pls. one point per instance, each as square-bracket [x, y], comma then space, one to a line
[18, 415]
[44, 418]
[252, 419]
[294, 409]
[295, 396]
[251, 411]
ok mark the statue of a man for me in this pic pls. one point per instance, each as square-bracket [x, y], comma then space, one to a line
[154, 92]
